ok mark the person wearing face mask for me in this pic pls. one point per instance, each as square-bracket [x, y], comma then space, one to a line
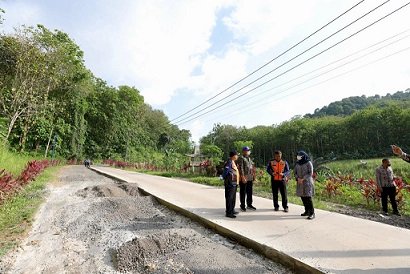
[385, 181]
[305, 184]
[247, 175]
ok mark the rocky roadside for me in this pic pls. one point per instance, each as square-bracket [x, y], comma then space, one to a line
[92, 224]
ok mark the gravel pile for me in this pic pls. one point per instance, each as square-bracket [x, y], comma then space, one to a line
[91, 224]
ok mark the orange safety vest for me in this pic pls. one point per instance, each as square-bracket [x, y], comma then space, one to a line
[277, 168]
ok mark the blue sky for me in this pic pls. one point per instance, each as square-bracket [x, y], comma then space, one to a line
[179, 53]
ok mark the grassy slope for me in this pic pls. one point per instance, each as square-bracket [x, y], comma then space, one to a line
[12, 162]
[16, 213]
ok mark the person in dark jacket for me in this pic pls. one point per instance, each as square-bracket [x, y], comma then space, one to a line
[231, 181]
[305, 184]
[279, 171]
[246, 169]
[399, 152]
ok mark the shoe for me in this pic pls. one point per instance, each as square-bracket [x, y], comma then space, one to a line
[243, 208]
[311, 216]
[251, 207]
[286, 210]
[397, 213]
[385, 213]
[276, 209]
[231, 216]
[304, 214]
[235, 213]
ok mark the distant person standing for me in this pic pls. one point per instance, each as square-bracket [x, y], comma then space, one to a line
[246, 169]
[231, 181]
[87, 163]
[279, 171]
[305, 184]
[385, 180]
[399, 152]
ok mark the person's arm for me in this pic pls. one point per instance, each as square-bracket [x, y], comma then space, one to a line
[227, 170]
[269, 169]
[378, 178]
[406, 157]
[309, 172]
[286, 171]
[399, 152]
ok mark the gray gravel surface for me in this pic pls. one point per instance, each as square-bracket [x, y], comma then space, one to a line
[92, 224]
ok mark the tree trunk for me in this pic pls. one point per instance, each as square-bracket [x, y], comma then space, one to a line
[48, 143]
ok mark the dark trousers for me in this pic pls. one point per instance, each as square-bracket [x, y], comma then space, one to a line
[246, 192]
[230, 197]
[308, 203]
[276, 187]
[391, 193]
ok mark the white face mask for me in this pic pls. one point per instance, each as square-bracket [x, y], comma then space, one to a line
[299, 157]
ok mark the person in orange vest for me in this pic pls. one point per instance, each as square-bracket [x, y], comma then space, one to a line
[279, 171]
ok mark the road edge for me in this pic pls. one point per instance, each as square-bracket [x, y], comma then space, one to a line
[294, 264]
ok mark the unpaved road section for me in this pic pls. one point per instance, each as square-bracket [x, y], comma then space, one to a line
[92, 224]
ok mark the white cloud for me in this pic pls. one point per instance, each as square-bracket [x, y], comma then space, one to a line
[21, 13]
[263, 24]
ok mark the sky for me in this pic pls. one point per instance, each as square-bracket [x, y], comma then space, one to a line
[180, 53]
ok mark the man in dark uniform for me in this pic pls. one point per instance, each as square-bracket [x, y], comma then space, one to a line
[231, 181]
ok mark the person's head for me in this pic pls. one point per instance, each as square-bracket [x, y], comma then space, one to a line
[233, 155]
[246, 151]
[302, 157]
[386, 163]
[278, 155]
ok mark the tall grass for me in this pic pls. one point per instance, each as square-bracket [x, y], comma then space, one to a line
[367, 168]
[13, 162]
[17, 212]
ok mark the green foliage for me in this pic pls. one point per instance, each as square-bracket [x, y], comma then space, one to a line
[212, 152]
[350, 105]
[12, 162]
[238, 145]
[367, 133]
[47, 93]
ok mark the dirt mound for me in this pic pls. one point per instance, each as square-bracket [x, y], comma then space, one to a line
[142, 253]
[109, 190]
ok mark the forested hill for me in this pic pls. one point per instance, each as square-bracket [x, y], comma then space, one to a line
[354, 128]
[349, 105]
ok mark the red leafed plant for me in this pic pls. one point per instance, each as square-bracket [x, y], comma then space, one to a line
[9, 185]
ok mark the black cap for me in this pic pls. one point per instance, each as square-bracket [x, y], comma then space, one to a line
[233, 153]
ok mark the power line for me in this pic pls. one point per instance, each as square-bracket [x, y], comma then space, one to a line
[331, 63]
[270, 61]
[334, 77]
[283, 64]
[305, 61]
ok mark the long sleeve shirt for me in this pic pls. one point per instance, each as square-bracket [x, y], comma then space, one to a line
[406, 157]
[246, 167]
[274, 168]
[384, 177]
[231, 171]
